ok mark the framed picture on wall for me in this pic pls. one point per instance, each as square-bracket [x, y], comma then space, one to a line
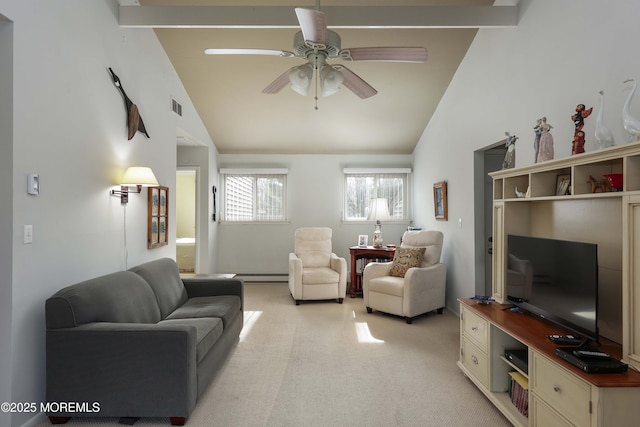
[158, 217]
[440, 200]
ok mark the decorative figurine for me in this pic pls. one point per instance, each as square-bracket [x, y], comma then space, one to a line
[630, 123]
[597, 184]
[134, 121]
[510, 158]
[536, 142]
[603, 134]
[578, 121]
[578, 143]
[545, 151]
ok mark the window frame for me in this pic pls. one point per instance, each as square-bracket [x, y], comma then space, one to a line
[376, 174]
[255, 174]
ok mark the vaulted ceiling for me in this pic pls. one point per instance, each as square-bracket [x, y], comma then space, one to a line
[226, 90]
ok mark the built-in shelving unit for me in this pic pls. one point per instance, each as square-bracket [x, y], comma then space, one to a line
[611, 219]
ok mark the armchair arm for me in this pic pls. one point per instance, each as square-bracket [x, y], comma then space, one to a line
[373, 270]
[295, 276]
[424, 289]
[339, 265]
[211, 286]
[129, 369]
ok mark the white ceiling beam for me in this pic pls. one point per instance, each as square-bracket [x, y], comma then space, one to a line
[337, 16]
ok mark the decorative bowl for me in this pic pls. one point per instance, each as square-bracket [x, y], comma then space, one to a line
[615, 180]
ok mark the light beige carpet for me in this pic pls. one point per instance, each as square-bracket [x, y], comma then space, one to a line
[329, 364]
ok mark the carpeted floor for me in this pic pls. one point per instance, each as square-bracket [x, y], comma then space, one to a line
[328, 364]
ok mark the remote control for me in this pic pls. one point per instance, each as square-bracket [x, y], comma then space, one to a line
[565, 339]
[588, 353]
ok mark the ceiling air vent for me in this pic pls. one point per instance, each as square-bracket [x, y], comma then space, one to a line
[176, 107]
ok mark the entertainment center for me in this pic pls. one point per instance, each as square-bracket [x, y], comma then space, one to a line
[557, 392]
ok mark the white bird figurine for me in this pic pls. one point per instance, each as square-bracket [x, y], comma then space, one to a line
[603, 134]
[630, 123]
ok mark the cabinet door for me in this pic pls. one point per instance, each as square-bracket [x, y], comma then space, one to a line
[498, 260]
[541, 414]
[631, 280]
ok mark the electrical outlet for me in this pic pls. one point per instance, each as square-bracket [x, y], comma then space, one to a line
[28, 234]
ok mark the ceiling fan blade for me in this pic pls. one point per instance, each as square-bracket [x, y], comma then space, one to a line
[270, 52]
[385, 54]
[279, 83]
[313, 24]
[355, 84]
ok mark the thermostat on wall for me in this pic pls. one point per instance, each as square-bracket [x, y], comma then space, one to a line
[33, 183]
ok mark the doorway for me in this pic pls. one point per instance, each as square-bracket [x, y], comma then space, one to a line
[486, 160]
[186, 219]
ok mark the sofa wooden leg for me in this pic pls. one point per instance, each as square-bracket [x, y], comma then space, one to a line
[440, 310]
[178, 421]
[340, 300]
[59, 420]
[409, 320]
[369, 310]
[297, 302]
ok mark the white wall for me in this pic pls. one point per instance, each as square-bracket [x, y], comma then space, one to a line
[315, 198]
[69, 125]
[560, 55]
[6, 210]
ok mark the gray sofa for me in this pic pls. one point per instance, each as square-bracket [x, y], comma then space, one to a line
[139, 343]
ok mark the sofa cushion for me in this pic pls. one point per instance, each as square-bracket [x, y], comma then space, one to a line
[319, 275]
[122, 297]
[404, 259]
[164, 278]
[208, 330]
[225, 307]
[389, 285]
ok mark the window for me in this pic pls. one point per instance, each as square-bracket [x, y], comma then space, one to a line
[254, 195]
[362, 186]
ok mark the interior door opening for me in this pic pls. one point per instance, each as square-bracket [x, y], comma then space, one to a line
[486, 160]
[186, 230]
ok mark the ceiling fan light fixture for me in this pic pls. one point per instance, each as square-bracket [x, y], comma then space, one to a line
[330, 80]
[300, 78]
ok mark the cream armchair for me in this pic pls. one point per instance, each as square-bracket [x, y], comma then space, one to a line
[421, 290]
[314, 271]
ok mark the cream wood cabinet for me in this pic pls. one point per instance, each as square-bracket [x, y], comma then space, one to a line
[559, 394]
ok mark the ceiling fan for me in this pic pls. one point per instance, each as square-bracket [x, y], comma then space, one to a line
[317, 45]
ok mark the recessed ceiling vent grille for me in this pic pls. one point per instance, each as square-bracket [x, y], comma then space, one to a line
[176, 107]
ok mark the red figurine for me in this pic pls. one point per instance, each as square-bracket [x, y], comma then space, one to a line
[578, 121]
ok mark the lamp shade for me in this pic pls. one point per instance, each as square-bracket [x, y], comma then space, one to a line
[330, 80]
[139, 175]
[300, 78]
[379, 210]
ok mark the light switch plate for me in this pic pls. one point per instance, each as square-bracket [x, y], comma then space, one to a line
[33, 184]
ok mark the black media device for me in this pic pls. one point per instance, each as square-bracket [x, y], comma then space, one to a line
[591, 360]
[556, 280]
[519, 357]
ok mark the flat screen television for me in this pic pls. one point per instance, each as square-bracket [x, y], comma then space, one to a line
[555, 279]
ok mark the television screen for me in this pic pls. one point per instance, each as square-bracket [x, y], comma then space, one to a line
[555, 279]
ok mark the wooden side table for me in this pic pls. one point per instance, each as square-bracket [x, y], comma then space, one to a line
[365, 252]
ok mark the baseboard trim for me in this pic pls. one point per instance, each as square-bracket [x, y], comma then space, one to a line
[263, 278]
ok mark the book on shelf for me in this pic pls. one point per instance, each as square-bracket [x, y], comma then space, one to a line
[519, 392]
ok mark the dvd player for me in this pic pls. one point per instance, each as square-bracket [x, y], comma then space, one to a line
[592, 365]
[519, 358]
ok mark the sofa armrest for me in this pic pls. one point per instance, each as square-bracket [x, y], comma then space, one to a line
[295, 276]
[128, 369]
[211, 286]
[339, 265]
[425, 287]
[373, 270]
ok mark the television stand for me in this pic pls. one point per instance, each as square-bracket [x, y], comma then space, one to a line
[559, 393]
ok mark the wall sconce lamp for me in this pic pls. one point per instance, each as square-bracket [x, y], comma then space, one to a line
[135, 176]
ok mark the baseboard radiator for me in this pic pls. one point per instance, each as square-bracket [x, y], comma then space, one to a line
[263, 278]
